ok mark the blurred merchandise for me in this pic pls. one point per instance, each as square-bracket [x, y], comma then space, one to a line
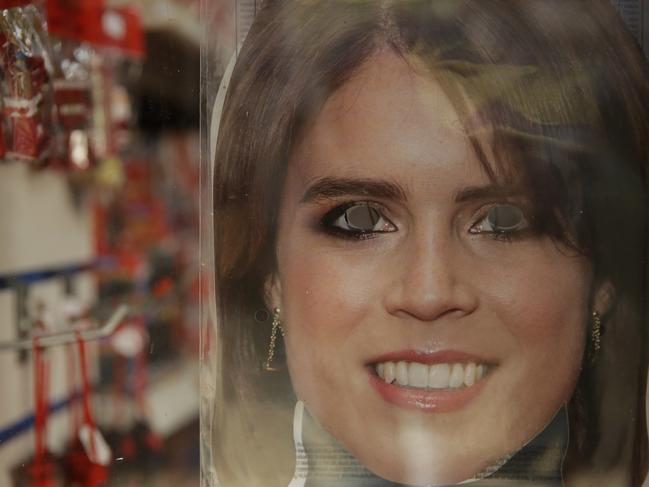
[98, 249]
[26, 88]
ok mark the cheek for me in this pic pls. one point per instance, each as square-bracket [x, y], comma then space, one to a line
[325, 298]
[542, 299]
[544, 308]
[323, 295]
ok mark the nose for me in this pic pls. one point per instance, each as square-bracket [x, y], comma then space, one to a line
[432, 280]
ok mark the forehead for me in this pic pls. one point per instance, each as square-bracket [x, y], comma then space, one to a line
[388, 122]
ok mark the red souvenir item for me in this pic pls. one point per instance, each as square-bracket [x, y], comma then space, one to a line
[91, 21]
[23, 104]
[75, 411]
[89, 455]
[42, 471]
[67, 22]
[74, 456]
[7, 4]
[73, 105]
[121, 29]
[95, 98]
[72, 19]
[26, 91]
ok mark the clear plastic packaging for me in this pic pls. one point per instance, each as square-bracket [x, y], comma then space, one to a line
[27, 92]
[424, 244]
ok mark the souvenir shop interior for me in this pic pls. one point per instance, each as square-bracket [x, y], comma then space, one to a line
[99, 271]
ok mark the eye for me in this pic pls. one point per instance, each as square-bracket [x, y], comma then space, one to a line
[502, 220]
[358, 220]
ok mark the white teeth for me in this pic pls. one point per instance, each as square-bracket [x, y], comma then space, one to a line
[380, 369]
[479, 372]
[437, 376]
[402, 373]
[390, 372]
[417, 375]
[457, 376]
[469, 374]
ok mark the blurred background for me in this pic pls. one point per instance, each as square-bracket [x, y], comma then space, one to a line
[99, 224]
[100, 268]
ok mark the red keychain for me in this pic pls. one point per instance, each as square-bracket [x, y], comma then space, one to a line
[90, 455]
[75, 457]
[43, 470]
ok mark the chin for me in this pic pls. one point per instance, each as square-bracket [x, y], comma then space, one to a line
[424, 476]
[424, 467]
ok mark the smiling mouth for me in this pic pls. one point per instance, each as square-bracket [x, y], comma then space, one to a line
[443, 381]
[435, 376]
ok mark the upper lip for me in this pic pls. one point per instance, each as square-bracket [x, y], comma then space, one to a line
[429, 358]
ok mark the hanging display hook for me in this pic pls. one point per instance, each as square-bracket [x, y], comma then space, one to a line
[69, 336]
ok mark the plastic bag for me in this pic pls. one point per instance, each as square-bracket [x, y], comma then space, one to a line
[428, 258]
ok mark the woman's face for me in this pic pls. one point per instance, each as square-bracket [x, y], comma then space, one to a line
[429, 328]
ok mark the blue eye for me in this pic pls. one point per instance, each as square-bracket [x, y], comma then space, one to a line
[502, 219]
[358, 220]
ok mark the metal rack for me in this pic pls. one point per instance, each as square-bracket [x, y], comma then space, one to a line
[70, 336]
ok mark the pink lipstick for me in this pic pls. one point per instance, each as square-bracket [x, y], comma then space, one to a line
[442, 381]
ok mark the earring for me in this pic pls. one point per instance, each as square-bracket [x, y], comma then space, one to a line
[596, 336]
[277, 324]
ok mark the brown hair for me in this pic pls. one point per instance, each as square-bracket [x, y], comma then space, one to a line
[564, 90]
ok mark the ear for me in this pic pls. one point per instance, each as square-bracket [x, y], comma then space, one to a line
[604, 297]
[273, 291]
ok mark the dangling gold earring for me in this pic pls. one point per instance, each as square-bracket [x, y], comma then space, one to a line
[596, 336]
[268, 366]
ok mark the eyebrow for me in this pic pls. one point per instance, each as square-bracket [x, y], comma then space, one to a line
[473, 193]
[333, 187]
